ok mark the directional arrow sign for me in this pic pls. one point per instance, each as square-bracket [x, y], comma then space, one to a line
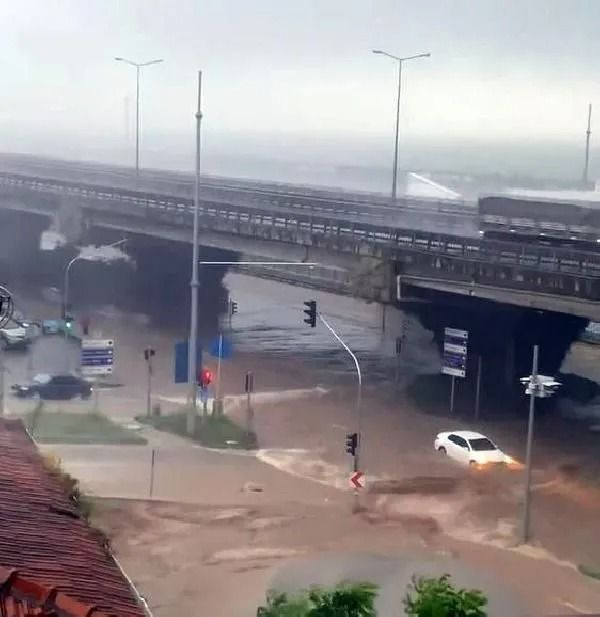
[355, 479]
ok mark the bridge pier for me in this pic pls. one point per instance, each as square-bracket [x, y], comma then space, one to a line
[503, 335]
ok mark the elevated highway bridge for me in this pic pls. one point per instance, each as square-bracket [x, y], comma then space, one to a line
[412, 251]
[374, 248]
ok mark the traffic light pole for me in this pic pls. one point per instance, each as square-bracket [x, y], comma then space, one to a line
[358, 397]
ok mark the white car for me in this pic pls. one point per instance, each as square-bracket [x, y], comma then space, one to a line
[470, 448]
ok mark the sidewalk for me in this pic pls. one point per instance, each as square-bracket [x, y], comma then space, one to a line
[184, 472]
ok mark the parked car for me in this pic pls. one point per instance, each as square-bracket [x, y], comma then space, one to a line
[470, 448]
[62, 387]
[14, 337]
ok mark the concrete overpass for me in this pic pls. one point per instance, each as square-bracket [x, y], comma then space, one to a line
[427, 254]
[386, 250]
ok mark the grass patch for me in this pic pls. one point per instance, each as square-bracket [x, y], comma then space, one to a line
[78, 428]
[589, 571]
[211, 431]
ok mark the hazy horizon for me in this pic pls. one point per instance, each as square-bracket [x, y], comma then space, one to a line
[505, 90]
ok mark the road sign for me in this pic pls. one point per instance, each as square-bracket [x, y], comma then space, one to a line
[97, 356]
[181, 361]
[454, 360]
[355, 479]
[226, 350]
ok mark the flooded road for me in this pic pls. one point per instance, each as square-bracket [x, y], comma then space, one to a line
[270, 320]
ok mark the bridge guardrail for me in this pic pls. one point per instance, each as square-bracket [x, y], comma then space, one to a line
[301, 227]
[262, 194]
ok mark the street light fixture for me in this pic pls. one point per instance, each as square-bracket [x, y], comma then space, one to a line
[83, 257]
[399, 60]
[138, 66]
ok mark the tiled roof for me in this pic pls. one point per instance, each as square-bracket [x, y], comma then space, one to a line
[43, 537]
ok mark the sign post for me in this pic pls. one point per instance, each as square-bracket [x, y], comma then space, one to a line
[249, 388]
[219, 358]
[478, 387]
[148, 354]
[398, 353]
[454, 360]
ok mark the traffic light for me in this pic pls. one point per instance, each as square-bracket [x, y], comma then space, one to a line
[233, 307]
[311, 313]
[148, 353]
[68, 322]
[351, 443]
[205, 378]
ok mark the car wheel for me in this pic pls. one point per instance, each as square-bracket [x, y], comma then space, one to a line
[442, 450]
[472, 463]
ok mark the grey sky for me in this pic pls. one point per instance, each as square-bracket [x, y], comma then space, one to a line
[499, 68]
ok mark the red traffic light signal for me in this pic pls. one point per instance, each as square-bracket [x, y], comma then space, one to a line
[205, 378]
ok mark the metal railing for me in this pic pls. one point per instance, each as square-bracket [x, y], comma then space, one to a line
[336, 232]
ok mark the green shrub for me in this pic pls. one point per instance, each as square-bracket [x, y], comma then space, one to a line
[437, 597]
[215, 431]
[345, 600]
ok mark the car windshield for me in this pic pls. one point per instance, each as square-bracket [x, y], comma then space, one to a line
[482, 443]
[41, 378]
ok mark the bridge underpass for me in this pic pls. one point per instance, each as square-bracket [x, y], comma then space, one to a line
[561, 283]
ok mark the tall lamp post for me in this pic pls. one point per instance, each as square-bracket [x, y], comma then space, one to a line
[138, 66]
[193, 340]
[399, 60]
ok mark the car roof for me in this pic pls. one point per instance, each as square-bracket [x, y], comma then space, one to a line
[466, 434]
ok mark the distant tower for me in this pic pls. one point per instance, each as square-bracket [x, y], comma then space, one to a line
[588, 134]
[127, 120]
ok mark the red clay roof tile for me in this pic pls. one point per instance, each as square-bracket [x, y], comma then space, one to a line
[42, 537]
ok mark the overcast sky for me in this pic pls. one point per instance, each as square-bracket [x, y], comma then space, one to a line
[500, 69]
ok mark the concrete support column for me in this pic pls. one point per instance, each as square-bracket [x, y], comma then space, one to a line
[509, 362]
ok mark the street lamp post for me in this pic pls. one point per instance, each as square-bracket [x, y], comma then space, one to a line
[138, 66]
[193, 340]
[400, 60]
[79, 257]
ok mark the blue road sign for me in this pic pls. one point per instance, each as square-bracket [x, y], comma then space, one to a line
[97, 356]
[454, 359]
[226, 348]
[181, 361]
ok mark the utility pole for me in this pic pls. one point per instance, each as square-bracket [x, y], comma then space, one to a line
[193, 341]
[533, 390]
[588, 135]
[127, 126]
[478, 386]
[148, 354]
[249, 387]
